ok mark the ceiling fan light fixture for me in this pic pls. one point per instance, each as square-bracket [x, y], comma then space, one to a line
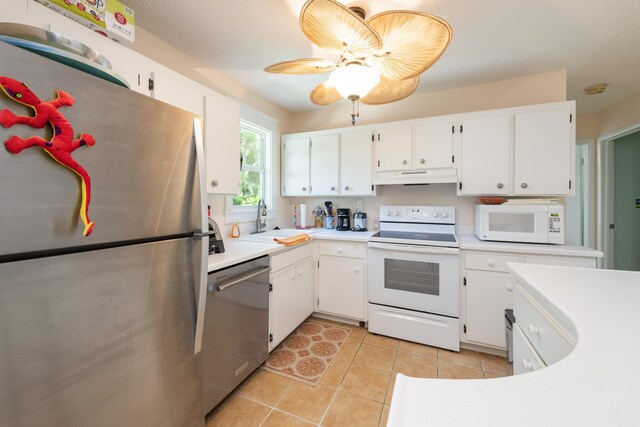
[354, 80]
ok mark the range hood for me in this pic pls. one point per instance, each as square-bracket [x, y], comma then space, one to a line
[427, 176]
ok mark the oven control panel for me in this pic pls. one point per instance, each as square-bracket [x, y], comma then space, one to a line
[428, 214]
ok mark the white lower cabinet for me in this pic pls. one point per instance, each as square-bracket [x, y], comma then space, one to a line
[538, 341]
[341, 279]
[491, 294]
[525, 358]
[487, 289]
[291, 297]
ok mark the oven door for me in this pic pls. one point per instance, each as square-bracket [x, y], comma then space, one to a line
[422, 278]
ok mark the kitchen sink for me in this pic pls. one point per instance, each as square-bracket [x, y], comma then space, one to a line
[267, 236]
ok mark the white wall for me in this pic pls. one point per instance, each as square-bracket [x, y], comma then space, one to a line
[527, 90]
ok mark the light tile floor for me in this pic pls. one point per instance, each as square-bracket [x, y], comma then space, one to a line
[355, 390]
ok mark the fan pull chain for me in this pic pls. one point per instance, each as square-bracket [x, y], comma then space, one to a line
[355, 110]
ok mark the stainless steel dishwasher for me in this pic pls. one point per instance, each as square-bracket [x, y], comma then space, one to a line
[236, 331]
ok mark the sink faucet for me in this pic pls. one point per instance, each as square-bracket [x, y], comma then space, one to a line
[261, 218]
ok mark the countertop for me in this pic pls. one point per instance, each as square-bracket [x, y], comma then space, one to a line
[242, 249]
[595, 385]
[471, 242]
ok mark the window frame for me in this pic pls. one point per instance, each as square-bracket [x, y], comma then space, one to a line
[248, 213]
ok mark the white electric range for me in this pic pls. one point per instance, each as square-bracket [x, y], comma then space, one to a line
[413, 270]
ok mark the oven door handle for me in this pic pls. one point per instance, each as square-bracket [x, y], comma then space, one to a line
[415, 248]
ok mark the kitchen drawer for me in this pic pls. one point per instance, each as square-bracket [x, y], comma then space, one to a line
[543, 336]
[489, 261]
[350, 250]
[290, 257]
[525, 358]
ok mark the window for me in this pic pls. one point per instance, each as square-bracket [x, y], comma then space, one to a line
[255, 149]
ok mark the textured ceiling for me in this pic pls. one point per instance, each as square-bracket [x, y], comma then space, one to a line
[594, 40]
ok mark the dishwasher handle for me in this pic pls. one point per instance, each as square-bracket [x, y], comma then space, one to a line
[239, 280]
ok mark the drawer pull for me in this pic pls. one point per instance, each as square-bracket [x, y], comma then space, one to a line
[490, 263]
[293, 277]
[527, 365]
[534, 329]
[509, 287]
[299, 273]
[339, 250]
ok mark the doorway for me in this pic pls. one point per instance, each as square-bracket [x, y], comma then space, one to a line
[619, 200]
[581, 208]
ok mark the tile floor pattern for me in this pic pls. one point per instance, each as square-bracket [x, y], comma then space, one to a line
[355, 390]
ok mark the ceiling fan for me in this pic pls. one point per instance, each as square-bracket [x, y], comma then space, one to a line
[381, 59]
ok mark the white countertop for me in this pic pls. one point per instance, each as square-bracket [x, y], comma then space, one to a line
[595, 385]
[471, 242]
[239, 250]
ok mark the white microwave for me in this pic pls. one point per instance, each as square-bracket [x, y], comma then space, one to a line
[543, 223]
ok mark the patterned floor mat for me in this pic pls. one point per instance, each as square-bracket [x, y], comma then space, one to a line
[305, 354]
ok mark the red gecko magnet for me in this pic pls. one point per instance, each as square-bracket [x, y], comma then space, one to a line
[61, 144]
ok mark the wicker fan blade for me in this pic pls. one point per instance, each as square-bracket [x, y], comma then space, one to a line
[302, 66]
[391, 90]
[411, 42]
[324, 94]
[333, 26]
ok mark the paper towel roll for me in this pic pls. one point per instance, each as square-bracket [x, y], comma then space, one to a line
[302, 215]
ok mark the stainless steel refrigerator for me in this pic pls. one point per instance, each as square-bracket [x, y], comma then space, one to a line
[102, 330]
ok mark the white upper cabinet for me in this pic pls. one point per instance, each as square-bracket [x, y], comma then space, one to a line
[524, 151]
[393, 146]
[544, 149]
[295, 166]
[222, 142]
[434, 143]
[486, 153]
[325, 165]
[356, 178]
[178, 90]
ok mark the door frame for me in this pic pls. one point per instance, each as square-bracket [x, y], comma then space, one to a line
[605, 192]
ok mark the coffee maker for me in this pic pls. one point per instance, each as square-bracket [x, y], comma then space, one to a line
[344, 219]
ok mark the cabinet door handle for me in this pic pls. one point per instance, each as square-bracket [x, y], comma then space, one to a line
[214, 183]
[357, 270]
[333, 188]
[527, 365]
[421, 161]
[524, 185]
[500, 185]
[304, 188]
[346, 187]
[509, 287]
[404, 162]
[292, 277]
[299, 273]
[534, 329]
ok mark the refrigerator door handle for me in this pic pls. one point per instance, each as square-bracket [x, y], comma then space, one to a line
[203, 234]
